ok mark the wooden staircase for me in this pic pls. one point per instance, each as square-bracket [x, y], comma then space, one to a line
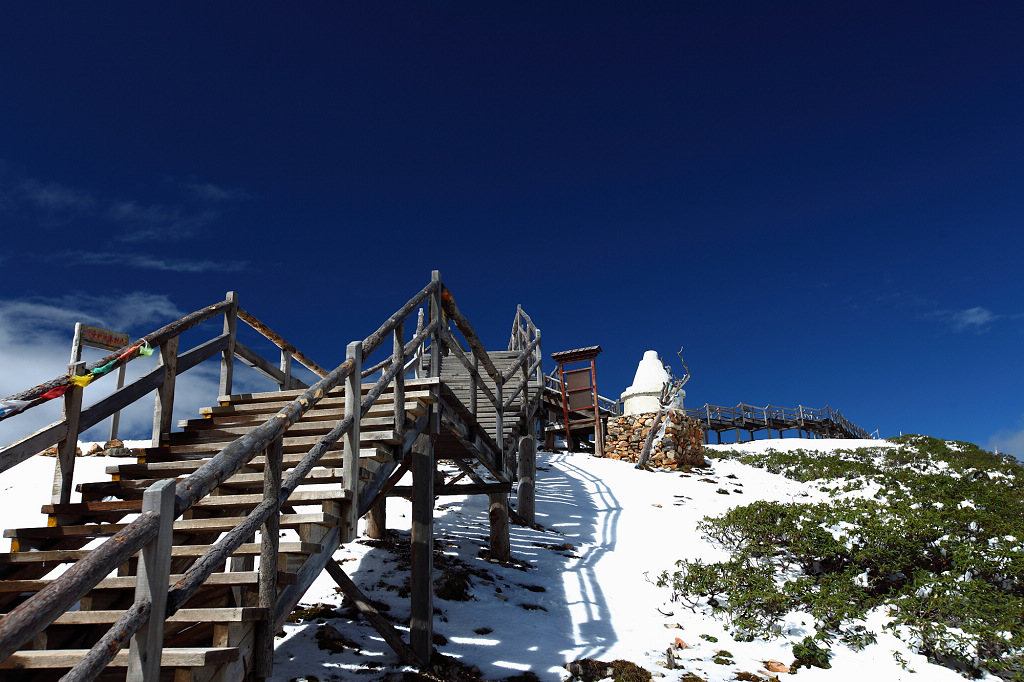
[156, 569]
[212, 636]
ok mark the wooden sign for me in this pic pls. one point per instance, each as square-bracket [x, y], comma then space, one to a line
[95, 337]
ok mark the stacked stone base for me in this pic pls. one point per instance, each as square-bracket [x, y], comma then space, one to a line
[682, 445]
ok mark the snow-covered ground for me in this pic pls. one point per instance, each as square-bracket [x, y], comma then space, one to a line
[584, 586]
[597, 599]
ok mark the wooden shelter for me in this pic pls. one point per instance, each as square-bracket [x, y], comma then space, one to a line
[580, 408]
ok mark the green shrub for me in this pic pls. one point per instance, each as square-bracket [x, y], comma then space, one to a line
[940, 546]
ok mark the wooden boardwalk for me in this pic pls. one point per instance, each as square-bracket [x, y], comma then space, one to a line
[188, 559]
[821, 423]
[742, 419]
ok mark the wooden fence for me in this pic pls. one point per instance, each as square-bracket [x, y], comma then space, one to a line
[824, 422]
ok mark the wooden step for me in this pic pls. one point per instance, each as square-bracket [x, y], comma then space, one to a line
[169, 463]
[213, 445]
[220, 524]
[135, 487]
[71, 555]
[211, 502]
[191, 657]
[284, 397]
[234, 414]
[230, 432]
[128, 582]
[212, 615]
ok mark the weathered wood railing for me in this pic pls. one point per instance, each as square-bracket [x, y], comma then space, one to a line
[149, 534]
[824, 421]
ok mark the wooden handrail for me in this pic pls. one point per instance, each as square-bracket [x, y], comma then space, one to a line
[373, 341]
[121, 356]
[463, 325]
[33, 615]
[278, 341]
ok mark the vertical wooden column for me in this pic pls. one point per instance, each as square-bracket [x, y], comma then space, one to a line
[501, 546]
[499, 426]
[286, 369]
[115, 418]
[163, 412]
[526, 492]
[598, 435]
[269, 546]
[227, 359]
[64, 468]
[377, 520]
[353, 397]
[421, 619]
[398, 357]
[146, 646]
[418, 372]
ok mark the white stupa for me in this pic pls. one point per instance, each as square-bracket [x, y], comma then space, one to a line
[644, 394]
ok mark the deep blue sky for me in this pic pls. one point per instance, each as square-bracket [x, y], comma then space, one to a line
[821, 201]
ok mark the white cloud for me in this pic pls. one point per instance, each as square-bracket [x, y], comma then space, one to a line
[968, 319]
[53, 197]
[145, 262]
[976, 318]
[206, 191]
[156, 221]
[1008, 442]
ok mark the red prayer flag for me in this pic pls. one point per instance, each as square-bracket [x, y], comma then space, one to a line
[54, 392]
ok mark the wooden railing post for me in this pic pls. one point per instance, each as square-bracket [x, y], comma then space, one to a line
[286, 369]
[525, 493]
[227, 360]
[418, 373]
[163, 412]
[151, 585]
[421, 616]
[353, 396]
[398, 357]
[269, 546]
[64, 469]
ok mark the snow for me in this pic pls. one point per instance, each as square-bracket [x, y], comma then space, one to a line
[582, 586]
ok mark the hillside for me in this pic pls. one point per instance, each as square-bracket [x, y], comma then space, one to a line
[587, 584]
[937, 535]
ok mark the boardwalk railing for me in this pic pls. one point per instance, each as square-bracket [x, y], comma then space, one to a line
[164, 502]
[824, 422]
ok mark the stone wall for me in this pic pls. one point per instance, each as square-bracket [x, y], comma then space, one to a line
[682, 444]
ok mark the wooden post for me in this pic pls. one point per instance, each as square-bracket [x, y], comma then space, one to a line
[376, 520]
[353, 396]
[286, 369]
[151, 584]
[64, 469]
[76, 344]
[499, 426]
[501, 548]
[418, 373]
[269, 544]
[526, 493]
[398, 357]
[421, 620]
[421, 579]
[227, 360]
[115, 419]
[163, 412]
